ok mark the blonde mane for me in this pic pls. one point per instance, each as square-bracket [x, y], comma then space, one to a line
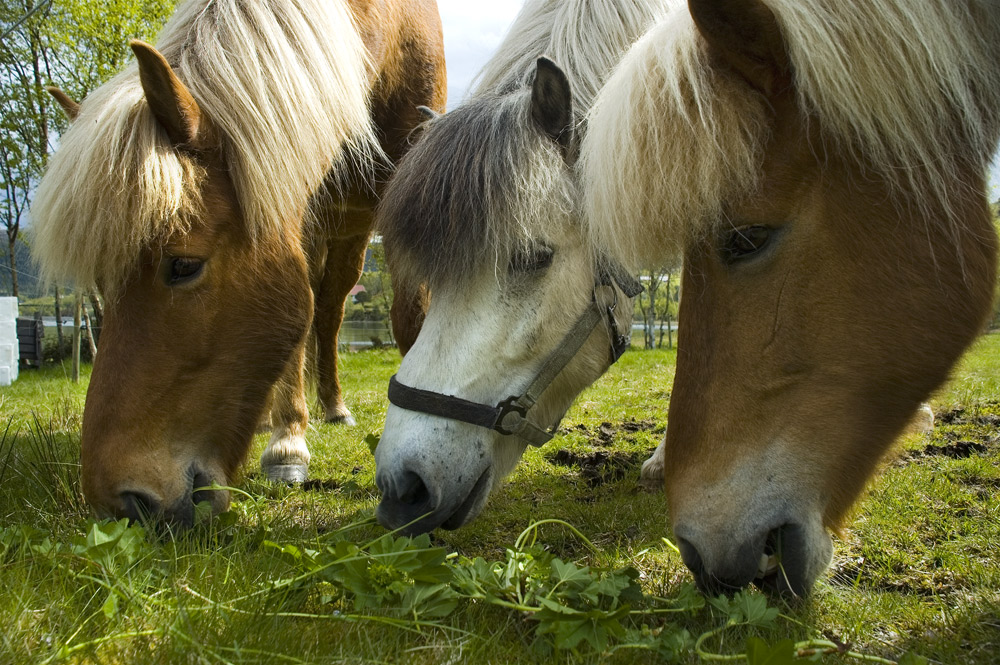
[285, 84]
[586, 38]
[911, 86]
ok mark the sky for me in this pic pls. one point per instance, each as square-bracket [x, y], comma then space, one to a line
[473, 30]
[994, 187]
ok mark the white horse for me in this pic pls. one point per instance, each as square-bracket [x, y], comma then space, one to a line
[485, 208]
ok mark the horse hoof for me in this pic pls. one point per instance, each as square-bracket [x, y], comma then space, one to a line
[347, 420]
[291, 474]
[651, 476]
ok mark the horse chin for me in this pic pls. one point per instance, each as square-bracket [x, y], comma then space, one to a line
[473, 504]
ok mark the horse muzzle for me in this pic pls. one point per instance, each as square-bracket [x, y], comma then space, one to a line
[785, 559]
[432, 472]
[410, 506]
[150, 506]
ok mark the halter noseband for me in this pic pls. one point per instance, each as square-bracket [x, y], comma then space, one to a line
[510, 416]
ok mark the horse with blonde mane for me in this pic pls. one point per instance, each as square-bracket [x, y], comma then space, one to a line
[523, 315]
[820, 166]
[219, 192]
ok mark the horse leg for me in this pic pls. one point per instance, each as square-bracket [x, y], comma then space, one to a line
[651, 475]
[409, 306]
[266, 423]
[922, 421]
[286, 458]
[344, 262]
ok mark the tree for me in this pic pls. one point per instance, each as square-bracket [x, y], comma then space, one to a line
[995, 321]
[24, 128]
[72, 44]
[657, 304]
[90, 38]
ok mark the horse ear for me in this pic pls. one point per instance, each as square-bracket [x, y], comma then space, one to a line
[745, 34]
[169, 99]
[69, 107]
[427, 113]
[552, 103]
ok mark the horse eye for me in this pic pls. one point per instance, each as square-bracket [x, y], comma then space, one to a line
[181, 270]
[531, 260]
[742, 243]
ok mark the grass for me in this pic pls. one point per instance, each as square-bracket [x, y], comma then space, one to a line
[917, 571]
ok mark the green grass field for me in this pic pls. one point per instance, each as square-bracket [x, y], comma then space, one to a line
[302, 575]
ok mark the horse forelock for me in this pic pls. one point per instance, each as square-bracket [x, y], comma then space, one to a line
[481, 183]
[284, 85]
[114, 187]
[912, 89]
[668, 141]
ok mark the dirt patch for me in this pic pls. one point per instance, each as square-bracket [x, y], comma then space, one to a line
[956, 450]
[642, 426]
[856, 572]
[600, 466]
[320, 485]
[959, 435]
[605, 433]
[961, 417]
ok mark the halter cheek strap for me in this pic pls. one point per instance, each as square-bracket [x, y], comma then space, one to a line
[510, 416]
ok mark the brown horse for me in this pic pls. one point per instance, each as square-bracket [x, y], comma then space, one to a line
[218, 192]
[820, 165]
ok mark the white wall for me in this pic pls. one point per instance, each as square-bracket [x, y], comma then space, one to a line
[9, 354]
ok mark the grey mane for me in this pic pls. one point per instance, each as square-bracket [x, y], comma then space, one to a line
[467, 192]
[483, 178]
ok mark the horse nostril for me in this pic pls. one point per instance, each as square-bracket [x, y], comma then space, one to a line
[729, 570]
[405, 501]
[139, 506]
[413, 491]
[690, 556]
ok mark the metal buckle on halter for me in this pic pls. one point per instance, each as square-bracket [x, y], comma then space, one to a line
[511, 407]
[510, 416]
[619, 341]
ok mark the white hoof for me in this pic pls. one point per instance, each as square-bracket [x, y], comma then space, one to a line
[286, 457]
[922, 421]
[291, 474]
[651, 475]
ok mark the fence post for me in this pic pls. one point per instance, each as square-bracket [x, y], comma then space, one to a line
[92, 343]
[77, 307]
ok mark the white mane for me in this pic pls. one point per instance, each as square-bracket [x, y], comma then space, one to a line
[912, 86]
[586, 38]
[284, 82]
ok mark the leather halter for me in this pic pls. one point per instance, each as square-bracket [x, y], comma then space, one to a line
[510, 416]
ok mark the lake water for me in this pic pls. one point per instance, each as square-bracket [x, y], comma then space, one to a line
[359, 333]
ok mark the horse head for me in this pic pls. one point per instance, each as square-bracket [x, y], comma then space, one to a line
[823, 177]
[484, 209]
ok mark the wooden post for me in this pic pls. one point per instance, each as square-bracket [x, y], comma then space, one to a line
[90, 335]
[97, 318]
[78, 306]
[59, 330]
